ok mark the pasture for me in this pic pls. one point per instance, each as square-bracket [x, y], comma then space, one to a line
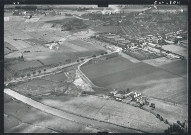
[140, 77]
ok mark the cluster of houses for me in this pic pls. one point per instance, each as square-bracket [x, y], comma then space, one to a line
[127, 97]
[148, 43]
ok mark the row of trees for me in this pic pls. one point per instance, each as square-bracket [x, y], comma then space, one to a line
[175, 127]
[34, 72]
[103, 53]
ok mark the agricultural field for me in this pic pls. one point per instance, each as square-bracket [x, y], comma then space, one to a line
[159, 61]
[52, 84]
[6, 51]
[9, 46]
[36, 87]
[18, 44]
[24, 65]
[44, 53]
[108, 111]
[21, 118]
[60, 77]
[176, 49]
[84, 44]
[34, 41]
[140, 77]
[173, 113]
[109, 29]
[178, 67]
[142, 55]
[34, 37]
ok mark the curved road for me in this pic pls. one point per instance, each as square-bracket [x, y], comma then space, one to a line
[70, 116]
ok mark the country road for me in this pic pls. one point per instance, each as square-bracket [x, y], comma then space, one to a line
[70, 116]
[48, 72]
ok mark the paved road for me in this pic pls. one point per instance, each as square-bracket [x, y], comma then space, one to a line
[69, 116]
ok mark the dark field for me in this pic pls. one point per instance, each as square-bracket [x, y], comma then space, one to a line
[151, 81]
[25, 64]
[178, 67]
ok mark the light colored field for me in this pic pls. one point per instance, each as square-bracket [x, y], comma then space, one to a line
[44, 18]
[158, 61]
[74, 47]
[32, 20]
[176, 49]
[173, 48]
[109, 111]
[6, 51]
[100, 125]
[39, 122]
[15, 30]
[129, 58]
[16, 18]
[171, 112]
[19, 44]
[7, 45]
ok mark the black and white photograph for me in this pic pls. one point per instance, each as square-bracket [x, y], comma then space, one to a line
[89, 69]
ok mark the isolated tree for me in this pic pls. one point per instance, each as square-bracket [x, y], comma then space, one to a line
[161, 118]
[22, 76]
[39, 71]
[158, 116]
[166, 121]
[34, 72]
[28, 74]
[127, 90]
[44, 70]
[82, 59]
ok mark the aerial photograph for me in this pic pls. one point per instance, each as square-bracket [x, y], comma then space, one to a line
[89, 69]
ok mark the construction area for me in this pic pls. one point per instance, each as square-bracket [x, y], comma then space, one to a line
[84, 69]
